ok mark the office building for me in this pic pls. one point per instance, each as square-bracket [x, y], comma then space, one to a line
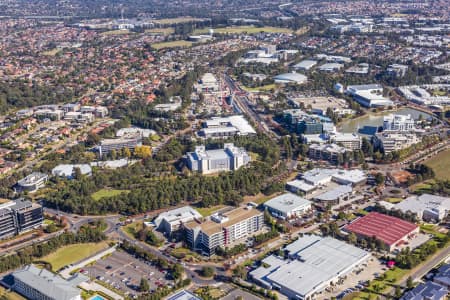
[350, 141]
[391, 231]
[321, 177]
[328, 152]
[393, 122]
[369, 95]
[222, 127]
[394, 141]
[41, 284]
[68, 171]
[288, 206]
[230, 158]
[172, 220]
[426, 291]
[427, 207]
[397, 70]
[334, 196]
[52, 114]
[330, 67]
[32, 182]
[315, 263]
[224, 229]
[128, 141]
[307, 124]
[300, 186]
[133, 131]
[18, 216]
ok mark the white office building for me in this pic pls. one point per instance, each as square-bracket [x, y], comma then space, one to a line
[222, 127]
[172, 220]
[369, 95]
[427, 207]
[230, 158]
[394, 122]
[394, 141]
[288, 206]
[350, 141]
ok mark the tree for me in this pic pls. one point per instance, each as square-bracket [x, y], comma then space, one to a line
[398, 292]
[352, 238]
[143, 285]
[126, 152]
[208, 271]
[143, 151]
[409, 283]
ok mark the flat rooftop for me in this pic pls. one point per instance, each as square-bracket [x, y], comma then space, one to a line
[287, 202]
[385, 228]
[234, 216]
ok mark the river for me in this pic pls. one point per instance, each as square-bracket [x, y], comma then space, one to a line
[368, 123]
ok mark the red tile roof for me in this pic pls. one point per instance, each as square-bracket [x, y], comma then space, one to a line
[385, 228]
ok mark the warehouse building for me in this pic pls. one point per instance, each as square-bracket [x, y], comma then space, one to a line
[68, 170]
[290, 78]
[40, 284]
[230, 158]
[305, 65]
[389, 230]
[224, 229]
[427, 207]
[297, 185]
[288, 206]
[315, 263]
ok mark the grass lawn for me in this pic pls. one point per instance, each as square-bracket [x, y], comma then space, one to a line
[379, 285]
[10, 295]
[48, 222]
[116, 32]
[264, 88]
[133, 228]
[302, 30]
[245, 29]
[52, 52]
[160, 31]
[394, 200]
[440, 165]
[177, 20]
[207, 211]
[103, 193]
[254, 156]
[73, 253]
[172, 44]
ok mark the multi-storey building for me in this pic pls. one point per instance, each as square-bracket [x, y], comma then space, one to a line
[19, 216]
[329, 152]
[350, 141]
[128, 141]
[222, 230]
[394, 141]
[212, 161]
[393, 122]
[32, 182]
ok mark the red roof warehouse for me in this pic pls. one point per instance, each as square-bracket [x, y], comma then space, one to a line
[390, 230]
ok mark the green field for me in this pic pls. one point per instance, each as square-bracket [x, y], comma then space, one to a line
[245, 29]
[172, 44]
[161, 31]
[104, 193]
[394, 200]
[264, 88]
[72, 254]
[380, 285]
[177, 20]
[440, 165]
[116, 32]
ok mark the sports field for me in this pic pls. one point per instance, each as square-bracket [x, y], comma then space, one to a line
[160, 31]
[178, 20]
[116, 32]
[440, 165]
[72, 254]
[172, 44]
[245, 29]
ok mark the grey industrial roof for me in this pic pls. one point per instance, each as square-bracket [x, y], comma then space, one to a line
[181, 214]
[301, 185]
[67, 170]
[47, 283]
[294, 77]
[316, 175]
[417, 204]
[334, 193]
[428, 290]
[320, 260]
[287, 202]
[306, 64]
